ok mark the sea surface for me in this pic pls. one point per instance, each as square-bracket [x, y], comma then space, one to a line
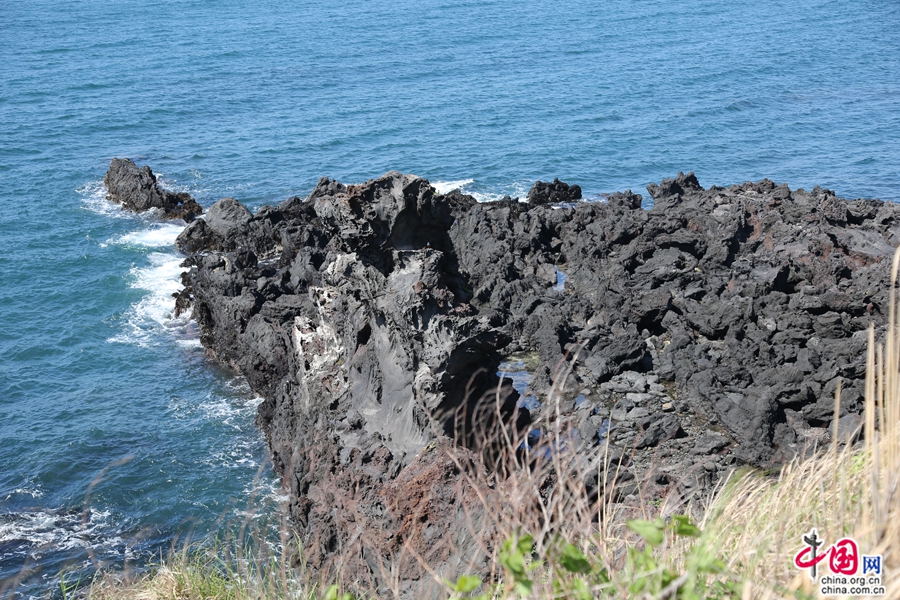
[118, 438]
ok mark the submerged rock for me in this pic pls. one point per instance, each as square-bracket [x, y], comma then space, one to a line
[373, 317]
[137, 189]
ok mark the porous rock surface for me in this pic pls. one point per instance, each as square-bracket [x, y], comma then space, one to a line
[137, 189]
[708, 331]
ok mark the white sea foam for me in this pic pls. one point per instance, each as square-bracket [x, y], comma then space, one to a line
[161, 279]
[155, 312]
[245, 454]
[239, 385]
[156, 274]
[190, 343]
[442, 187]
[35, 492]
[93, 197]
[230, 411]
[245, 449]
[235, 408]
[160, 235]
[491, 194]
[46, 530]
[487, 196]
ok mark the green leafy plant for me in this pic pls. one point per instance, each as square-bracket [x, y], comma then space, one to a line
[648, 576]
[581, 574]
[333, 592]
[513, 559]
[576, 574]
[464, 586]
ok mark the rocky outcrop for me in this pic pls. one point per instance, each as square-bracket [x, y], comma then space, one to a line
[137, 189]
[347, 312]
[708, 331]
[752, 300]
[550, 193]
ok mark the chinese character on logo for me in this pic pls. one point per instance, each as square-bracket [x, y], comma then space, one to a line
[812, 542]
[871, 564]
[843, 556]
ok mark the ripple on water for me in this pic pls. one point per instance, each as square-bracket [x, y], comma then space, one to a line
[29, 539]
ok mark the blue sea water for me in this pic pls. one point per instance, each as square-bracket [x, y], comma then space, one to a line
[117, 435]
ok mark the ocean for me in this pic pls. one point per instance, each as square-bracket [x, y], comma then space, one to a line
[119, 439]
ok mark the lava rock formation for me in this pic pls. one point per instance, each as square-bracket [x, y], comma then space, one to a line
[708, 331]
[137, 189]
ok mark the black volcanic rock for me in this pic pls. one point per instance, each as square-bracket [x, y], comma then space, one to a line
[679, 186]
[346, 311]
[372, 318]
[137, 189]
[658, 428]
[227, 217]
[543, 192]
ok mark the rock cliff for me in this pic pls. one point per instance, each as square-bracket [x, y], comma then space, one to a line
[706, 332]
